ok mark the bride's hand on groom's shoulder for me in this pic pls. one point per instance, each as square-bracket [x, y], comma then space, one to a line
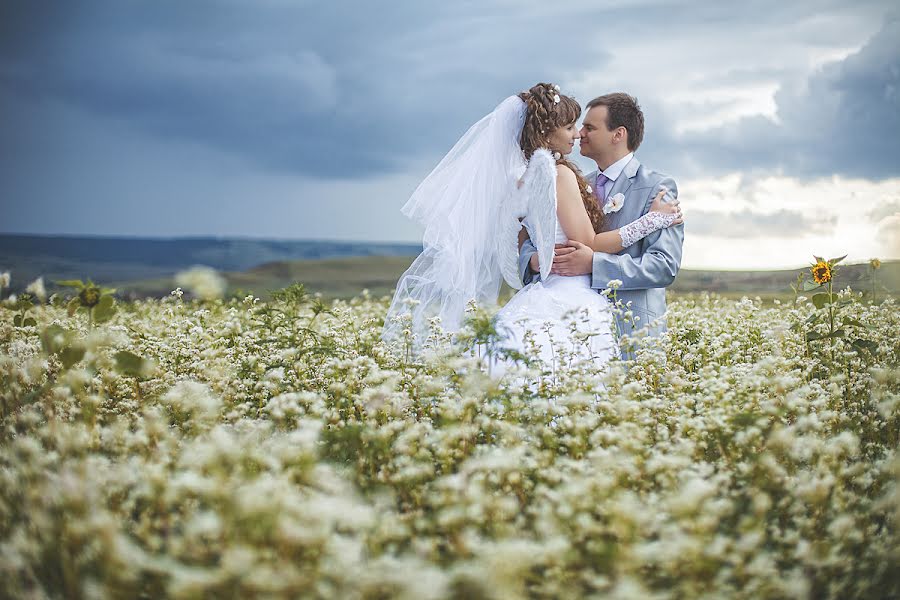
[573, 258]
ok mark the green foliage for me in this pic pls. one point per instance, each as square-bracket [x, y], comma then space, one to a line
[96, 301]
[63, 343]
[826, 323]
[21, 304]
[129, 363]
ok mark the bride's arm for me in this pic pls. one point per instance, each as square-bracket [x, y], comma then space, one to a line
[577, 225]
[661, 215]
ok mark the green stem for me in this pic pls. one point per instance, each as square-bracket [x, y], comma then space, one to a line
[874, 300]
[831, 317]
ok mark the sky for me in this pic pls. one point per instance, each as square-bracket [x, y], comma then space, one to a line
[292, 119]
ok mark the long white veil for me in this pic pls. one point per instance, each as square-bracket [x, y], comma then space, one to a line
[460, 204]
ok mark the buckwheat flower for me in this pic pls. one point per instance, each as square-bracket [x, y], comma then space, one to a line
[194, 398]
[204, 282]
[691, 496]
[5, 278]
[36, 288]
[614, 284]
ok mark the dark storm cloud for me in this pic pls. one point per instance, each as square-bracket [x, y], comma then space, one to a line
[340, 90]
[844, 119]
[313, 88]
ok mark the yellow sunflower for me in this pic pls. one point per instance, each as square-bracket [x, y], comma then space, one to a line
[875, 263]
[821, 272]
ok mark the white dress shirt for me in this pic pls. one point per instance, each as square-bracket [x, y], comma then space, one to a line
[613, 171]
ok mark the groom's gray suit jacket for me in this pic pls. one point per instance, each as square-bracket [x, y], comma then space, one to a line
[645, 268]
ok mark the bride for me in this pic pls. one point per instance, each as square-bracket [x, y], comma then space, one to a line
[506, 179]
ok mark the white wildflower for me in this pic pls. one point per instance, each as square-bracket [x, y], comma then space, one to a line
[204, 282]
[37, 289]
[194, 398]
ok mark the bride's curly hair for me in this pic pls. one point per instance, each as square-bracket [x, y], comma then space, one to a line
[543, 115]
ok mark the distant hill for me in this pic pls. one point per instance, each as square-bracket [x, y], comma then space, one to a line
[347, 277]
[125, 259]
[145, 267]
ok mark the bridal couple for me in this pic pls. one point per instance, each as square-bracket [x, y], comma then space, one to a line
[506, 203]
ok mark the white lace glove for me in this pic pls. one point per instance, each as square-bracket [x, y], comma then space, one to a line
[637, 230]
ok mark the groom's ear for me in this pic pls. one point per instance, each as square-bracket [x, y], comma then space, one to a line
[620, 135]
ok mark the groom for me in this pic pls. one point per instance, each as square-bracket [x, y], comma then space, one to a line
[612, 131]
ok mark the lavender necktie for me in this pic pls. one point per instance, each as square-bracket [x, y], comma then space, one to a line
[598, 188]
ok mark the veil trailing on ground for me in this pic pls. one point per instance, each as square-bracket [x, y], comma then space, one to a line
[460, 205]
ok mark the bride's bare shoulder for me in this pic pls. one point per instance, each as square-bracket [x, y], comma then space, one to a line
[565, 172]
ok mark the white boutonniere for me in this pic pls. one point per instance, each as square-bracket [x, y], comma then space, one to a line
[614, 204]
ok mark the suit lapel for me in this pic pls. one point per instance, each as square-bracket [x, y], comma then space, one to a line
[623, 183]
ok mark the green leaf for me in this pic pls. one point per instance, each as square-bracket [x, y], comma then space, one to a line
[75, 283]
[130, 363]
[104, 290]
[834, 261]
[821, 299]
[866, 345]
[53, 338]
[745, 419]
[809, 285]
[853, 322]
[73, 305]
[812, 336]
[24, 302]
[818, 258]
[834, 334]
[30, 322]
[17, 320]
[105, 309]
[71, 355]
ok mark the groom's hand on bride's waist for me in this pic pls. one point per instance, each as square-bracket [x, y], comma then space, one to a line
[573, 258]
[535, 265]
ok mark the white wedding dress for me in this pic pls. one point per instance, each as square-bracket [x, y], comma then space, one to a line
[568, 320]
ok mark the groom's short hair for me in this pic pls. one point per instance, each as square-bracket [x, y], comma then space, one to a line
[622, 110]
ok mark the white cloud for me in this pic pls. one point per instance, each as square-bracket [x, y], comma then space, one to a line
[780, 221]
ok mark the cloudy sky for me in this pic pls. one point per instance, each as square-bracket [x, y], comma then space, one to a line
[294, 119]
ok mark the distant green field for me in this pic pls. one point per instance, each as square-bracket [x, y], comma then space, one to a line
[347, 277]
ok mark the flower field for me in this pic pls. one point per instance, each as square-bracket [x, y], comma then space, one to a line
[247, 449]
